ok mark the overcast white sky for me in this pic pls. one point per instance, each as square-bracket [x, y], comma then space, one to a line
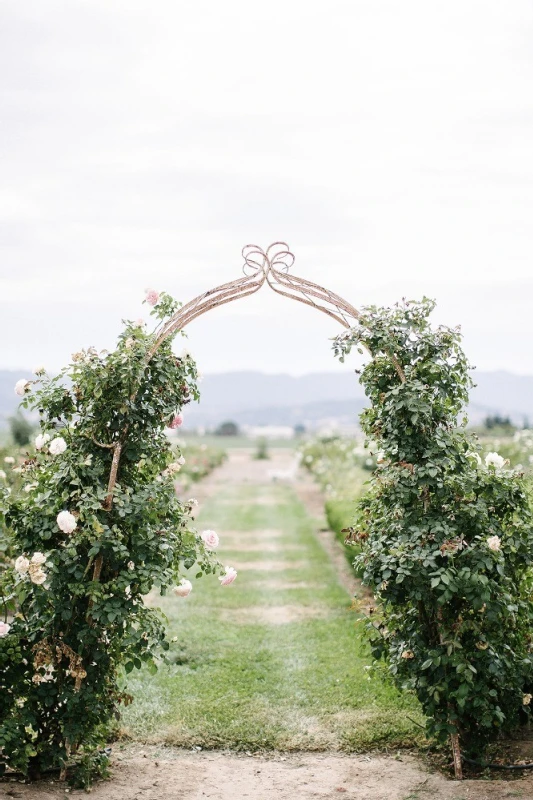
[144, 143]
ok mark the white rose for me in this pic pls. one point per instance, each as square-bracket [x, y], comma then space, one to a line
[494, 543]
[183, 589]
[41, 440]
[37, 575]
[476, 457]
[22, 565]
[9, 460]
[131, 566]
[494, 459]
[3, 475]
[66, 521]
[185, 353]
[21, 387]
[40, 370]
[38, 559]
[57, 446]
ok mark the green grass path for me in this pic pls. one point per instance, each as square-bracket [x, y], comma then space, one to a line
[275, 660]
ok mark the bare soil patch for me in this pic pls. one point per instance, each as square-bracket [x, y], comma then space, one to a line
[151, 773]
[249, 546]
[274, 615]
[276, 565]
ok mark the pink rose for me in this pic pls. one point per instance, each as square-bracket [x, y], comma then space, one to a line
[183, 589]
[4, 628]
[151, 297]
[210, 539]
[228, 577]
[177, 422]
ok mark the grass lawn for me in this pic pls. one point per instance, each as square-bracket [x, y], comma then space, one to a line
[274, 661]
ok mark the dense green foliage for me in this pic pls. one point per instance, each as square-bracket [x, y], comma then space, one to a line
[88, 547]
[447, 540]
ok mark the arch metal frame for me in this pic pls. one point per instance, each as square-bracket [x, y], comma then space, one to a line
[270, 266]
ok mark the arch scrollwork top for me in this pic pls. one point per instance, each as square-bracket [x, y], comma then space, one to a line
[260, 266]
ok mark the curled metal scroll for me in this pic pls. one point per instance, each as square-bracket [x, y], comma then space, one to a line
[271, 266]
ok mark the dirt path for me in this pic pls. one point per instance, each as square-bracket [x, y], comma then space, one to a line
[165, 773]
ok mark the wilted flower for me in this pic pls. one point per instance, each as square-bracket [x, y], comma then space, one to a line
[408, 654]
[9, 460]
[494, 459]
[228, 577]
[151, 297]
[21, 387]
[185, 354]
[176, 422]
[131, 565]
[183, 589]
[482, 645]
[193, 502]
[130, 341]
[4, 628]
[22, 565]
[210, 539]
[38, 558]
[66, 521]
[526, 699]
[494, 543]
[57, 446]
[41, 440]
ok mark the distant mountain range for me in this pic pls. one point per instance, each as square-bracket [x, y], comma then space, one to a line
[253, 398]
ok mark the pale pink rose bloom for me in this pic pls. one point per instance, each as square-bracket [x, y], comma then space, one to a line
[151, 297]
[57, 446]
[140, 323]
[494, 543]
[38, 558]
[66, 521]
[41, 440]
[228, 577]
[4, 628]
[176, 422]
[21, 386]
[3, 475]
[37, 574]
[183, 589]
[22, 565]
[210, 539]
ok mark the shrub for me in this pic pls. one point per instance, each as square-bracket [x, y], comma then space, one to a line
[99, 525]
[446, 540]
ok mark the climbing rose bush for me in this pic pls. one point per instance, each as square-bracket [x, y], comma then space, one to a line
[99, 527]
[446, 540]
